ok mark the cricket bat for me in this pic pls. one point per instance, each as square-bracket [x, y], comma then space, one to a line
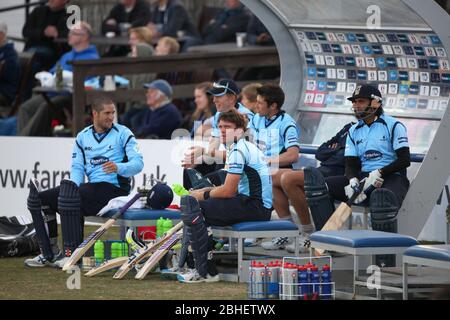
[86, 244]
[158, 255]
[341, 214]
[107, 265]
[144, 252]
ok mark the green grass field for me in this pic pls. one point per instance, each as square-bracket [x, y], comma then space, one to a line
[19, 282]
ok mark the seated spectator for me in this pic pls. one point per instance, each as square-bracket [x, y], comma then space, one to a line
[139, 35]
[204, 110]
[248, 96]
[9, 71]
[123, 16]
[257, 33]
[166, 46]
[127, 13]
[140, 39]
[170, 18]
[34, 116]
[161, 117]
[233, 18]
[42, 27]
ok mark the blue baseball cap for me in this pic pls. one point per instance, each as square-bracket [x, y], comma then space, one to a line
[223, 87]
[161, 85]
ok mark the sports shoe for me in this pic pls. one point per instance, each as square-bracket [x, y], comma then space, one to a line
[40, 262]
[277, 243]
[193, 277]
[251, 242]
[304, 244]
[60, 261]
[172, 273]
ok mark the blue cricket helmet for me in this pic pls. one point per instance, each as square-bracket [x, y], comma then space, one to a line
[160, 196]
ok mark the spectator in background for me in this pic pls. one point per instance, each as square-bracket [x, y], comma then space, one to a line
[34, 115]
[233, 18]
[204, 110]
[257, 33]
[9, 71]
[42, 27]
[248, 96]
[123, 16]
[139, 35]
[161, 117]
[170, 18]
[166, 46]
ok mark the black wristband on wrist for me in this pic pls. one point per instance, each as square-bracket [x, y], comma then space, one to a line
[206, 195]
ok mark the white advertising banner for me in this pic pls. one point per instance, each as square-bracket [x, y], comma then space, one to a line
[49, 159]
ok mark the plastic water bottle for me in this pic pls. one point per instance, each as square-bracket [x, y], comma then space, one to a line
[326, 282]
[303, 280]
[99, 252]
[308, 267]
[315, 280]
[115, 250]
[167, 225]
[159, 227]
[124, 251]
[272, 280]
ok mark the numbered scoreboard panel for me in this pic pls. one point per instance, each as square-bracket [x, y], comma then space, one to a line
[411, 69]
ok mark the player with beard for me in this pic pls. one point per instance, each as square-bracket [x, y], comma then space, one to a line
[108, 155]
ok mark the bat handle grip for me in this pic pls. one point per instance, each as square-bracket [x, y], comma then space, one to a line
[127, 205]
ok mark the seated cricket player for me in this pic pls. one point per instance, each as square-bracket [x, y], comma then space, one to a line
[225, 97]
[246, 195]
[108, 155]
[277, 135]
[376, 149]
[295, 182]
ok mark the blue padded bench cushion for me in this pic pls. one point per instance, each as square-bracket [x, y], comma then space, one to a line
[145, 214]
[262, 226]
[435, 252]
[363, 238]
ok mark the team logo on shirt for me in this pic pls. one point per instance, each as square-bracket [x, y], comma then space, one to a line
[372, 155]
[99, 160]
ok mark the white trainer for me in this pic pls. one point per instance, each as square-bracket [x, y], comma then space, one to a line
[251, 242]
[192, 276]
[37, 262]
[59, 263]
[303, 244]
[277, 243]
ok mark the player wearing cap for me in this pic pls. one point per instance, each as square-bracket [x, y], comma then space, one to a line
[246, 195]
[376, 149]
[225, 97]
[108, 155]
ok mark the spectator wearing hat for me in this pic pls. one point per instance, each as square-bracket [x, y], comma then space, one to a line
[9, 73]
[161, 117]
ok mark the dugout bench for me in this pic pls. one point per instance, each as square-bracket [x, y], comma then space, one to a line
[134, 218]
